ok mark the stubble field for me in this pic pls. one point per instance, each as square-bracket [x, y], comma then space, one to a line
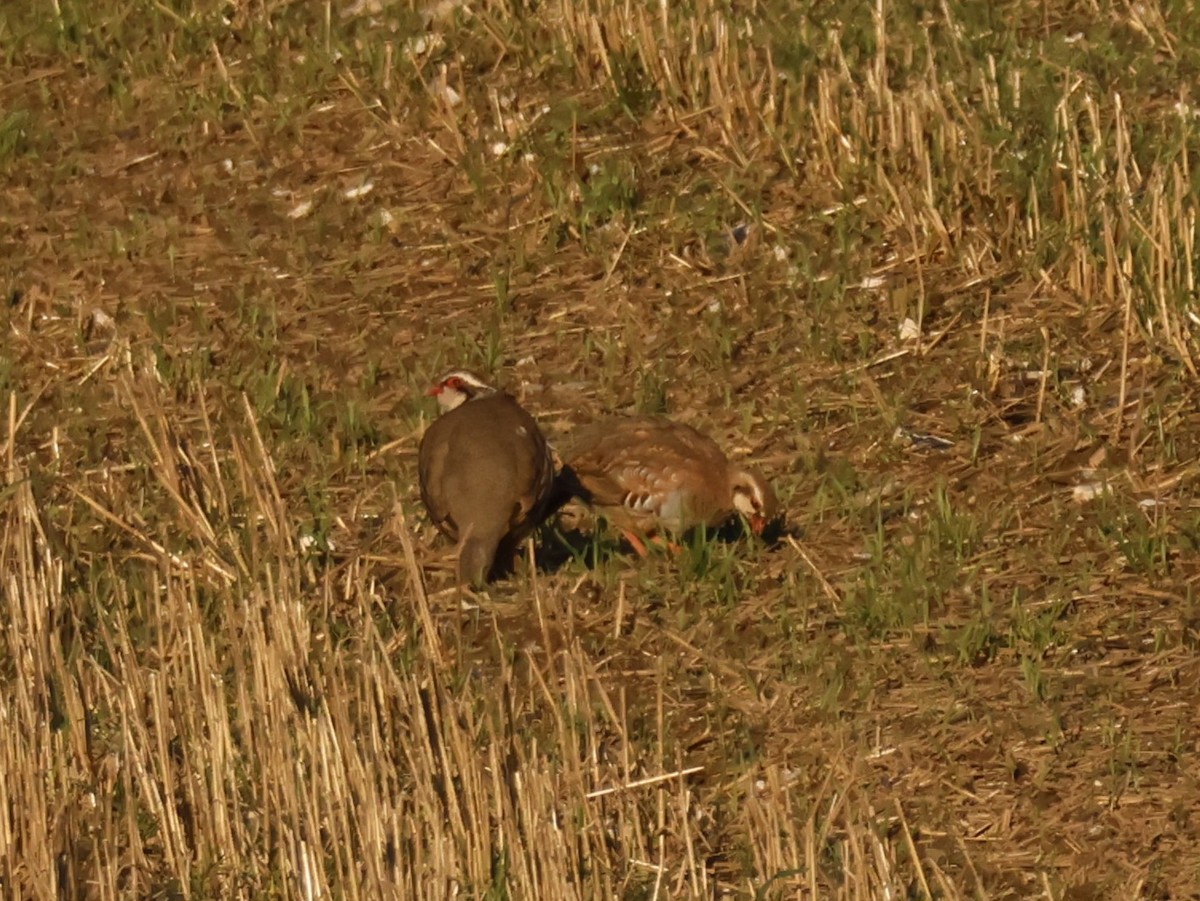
[931, 267]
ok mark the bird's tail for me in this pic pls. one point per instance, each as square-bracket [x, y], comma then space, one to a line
[476, 555]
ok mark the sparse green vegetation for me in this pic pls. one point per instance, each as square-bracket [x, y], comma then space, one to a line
[930, 266]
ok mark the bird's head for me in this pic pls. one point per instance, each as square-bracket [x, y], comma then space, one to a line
[457, 387]
[753, 498]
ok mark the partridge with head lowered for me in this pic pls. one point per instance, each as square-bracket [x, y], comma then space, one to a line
[648, 474]
[485, 470]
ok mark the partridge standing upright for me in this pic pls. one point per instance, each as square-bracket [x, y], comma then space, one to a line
[486, 472]
[648, 474]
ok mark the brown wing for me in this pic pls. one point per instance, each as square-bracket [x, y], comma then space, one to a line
[432, 458]
[533, 474]
[649, 473]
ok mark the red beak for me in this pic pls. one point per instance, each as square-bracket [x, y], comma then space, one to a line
[434, 391]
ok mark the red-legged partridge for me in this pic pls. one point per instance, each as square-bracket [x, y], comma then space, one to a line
[485, 470]
[648, 475]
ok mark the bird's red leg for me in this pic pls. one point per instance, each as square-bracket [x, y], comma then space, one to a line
[657, 540]
[636, 543]
[666, 544]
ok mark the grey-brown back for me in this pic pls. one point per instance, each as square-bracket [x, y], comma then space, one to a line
[486, 475]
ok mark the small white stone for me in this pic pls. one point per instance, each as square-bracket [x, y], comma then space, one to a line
[307, 542]
[1088, 491]
[909, 330]
[498, 148]
[359, 190]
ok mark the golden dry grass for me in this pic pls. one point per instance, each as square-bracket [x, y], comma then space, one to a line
[933, 269]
